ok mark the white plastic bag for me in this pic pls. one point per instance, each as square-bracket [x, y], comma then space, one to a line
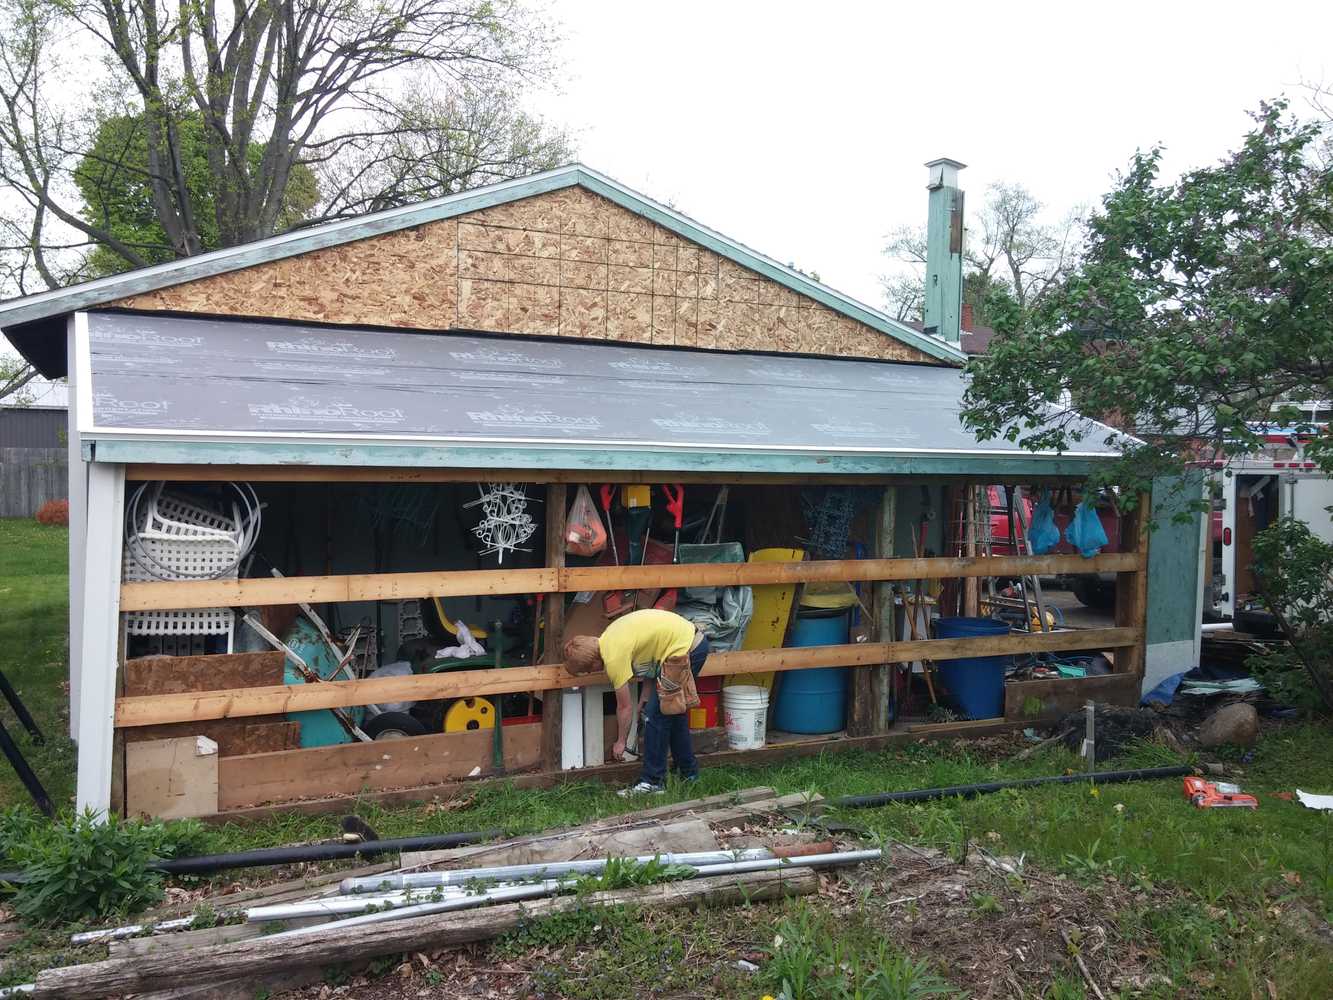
[585, 535]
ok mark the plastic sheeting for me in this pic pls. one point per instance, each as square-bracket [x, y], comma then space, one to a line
[723, 613]
[208, 378]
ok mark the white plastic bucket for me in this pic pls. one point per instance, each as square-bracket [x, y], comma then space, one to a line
[745, 714]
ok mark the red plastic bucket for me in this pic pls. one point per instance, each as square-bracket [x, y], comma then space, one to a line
[709, 685]
[706, 714]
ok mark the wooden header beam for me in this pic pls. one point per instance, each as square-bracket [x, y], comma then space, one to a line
[260, 591]
[275, 699]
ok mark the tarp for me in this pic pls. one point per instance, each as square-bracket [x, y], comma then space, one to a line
[159, 376]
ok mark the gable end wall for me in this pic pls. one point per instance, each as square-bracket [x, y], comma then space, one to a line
[567, 263]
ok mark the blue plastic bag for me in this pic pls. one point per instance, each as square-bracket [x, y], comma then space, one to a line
[1045, 534]
[1085, 531]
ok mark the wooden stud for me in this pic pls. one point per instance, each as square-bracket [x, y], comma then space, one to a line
[868, 705]
[557, 503]
[193, 706]
[1131, 587]
[260, 591]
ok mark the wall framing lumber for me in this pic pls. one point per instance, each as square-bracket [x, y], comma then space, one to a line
[1067, 694]
[1131, 587]
[352, 768]
[473, 583]
[868, 692]
[557, 504]
[195, 706]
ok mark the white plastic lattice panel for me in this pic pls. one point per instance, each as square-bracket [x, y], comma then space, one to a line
[170, 516]
[195, 621]
[183, 560]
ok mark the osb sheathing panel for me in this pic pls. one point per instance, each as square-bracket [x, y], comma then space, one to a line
[567, 263]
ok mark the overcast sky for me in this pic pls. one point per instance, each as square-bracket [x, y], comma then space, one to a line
[800, 129]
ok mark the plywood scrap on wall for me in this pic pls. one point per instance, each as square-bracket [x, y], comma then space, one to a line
[565, 263]
[172, 779]
[152, 675]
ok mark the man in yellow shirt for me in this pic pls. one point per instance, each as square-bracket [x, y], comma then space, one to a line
[633, 648]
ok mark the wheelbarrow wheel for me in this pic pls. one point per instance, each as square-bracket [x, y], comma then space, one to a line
[393, 726]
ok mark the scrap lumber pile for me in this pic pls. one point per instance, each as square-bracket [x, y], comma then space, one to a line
[684, 854]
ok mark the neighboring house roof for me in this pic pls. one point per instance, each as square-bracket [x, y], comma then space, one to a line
[973, 339]
[27, 321]
[40, 394]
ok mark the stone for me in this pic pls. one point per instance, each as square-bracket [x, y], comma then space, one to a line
[1236, 724]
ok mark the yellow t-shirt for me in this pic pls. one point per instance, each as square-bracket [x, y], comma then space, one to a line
[636, 645]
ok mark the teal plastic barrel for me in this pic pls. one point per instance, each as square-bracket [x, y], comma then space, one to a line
[975, 684]
[814, 701]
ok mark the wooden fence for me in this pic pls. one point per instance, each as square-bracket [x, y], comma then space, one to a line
[31, 476]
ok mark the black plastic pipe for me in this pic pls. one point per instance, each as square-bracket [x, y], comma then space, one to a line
[205, 863]
[970, 791]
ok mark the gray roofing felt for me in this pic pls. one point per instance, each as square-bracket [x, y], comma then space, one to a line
[161, 376]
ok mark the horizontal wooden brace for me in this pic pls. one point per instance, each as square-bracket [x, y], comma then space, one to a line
[274, 699]
[259, 591]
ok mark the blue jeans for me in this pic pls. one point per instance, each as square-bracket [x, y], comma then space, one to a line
[673, 731]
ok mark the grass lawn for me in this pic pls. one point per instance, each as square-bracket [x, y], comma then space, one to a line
[34, 617]
[1226, 903]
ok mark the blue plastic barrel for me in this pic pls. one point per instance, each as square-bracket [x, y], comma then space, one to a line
[814, 701]
[975, 684]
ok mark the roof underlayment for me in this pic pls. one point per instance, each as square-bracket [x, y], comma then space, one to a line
[164, 388]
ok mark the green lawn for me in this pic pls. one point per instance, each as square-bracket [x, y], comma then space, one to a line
[1229, 896]
[34, 616]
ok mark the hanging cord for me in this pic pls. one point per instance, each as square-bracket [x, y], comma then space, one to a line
[247, 514]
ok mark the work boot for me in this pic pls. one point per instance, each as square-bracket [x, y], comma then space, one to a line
[642, 788]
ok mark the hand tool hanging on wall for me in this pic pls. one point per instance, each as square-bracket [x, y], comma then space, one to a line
[676, 505]
[608, 493]
[310, 677]
[637, 500]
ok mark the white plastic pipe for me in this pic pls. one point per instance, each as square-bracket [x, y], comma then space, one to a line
[514, 873]
[549, 887]
[337, 906]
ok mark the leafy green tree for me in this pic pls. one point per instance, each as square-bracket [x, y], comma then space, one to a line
[1201, 305]
[115, 182]
[382, 101]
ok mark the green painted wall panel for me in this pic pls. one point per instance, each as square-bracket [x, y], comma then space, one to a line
[1173, 562]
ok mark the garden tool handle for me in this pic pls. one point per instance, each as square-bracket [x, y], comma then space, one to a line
[675, 502]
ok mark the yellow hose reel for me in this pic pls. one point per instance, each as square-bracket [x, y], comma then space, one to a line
[469, 713]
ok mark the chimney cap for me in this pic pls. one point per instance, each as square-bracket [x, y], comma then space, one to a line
[943, 172]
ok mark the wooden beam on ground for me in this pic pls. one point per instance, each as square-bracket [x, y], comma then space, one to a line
[161, 595]
[282, 698]
[557, 504]
[333, 945]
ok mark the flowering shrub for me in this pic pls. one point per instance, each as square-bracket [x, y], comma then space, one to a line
[53, 512]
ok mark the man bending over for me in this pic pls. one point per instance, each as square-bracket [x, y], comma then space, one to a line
[634, 647]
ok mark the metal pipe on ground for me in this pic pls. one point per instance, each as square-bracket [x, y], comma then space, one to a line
[513, 873]
[318, 852]
[971, 791]
[549, 887]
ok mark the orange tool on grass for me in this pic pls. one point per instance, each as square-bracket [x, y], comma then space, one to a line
[1217, 795]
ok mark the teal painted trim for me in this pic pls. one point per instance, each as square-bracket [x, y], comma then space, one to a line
[620, 460]
[1174, 587]
[769, 268]
[100, 291]
[944, 269]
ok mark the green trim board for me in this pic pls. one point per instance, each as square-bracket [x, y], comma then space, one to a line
[312, 453]
[1174, 607]
[34, 311]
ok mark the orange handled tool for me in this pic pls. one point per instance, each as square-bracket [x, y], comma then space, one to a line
[676, 504]
[1217, 795]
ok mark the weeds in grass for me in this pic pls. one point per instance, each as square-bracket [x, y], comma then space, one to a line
[811, 960]
[985, 904]
[579, 926]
